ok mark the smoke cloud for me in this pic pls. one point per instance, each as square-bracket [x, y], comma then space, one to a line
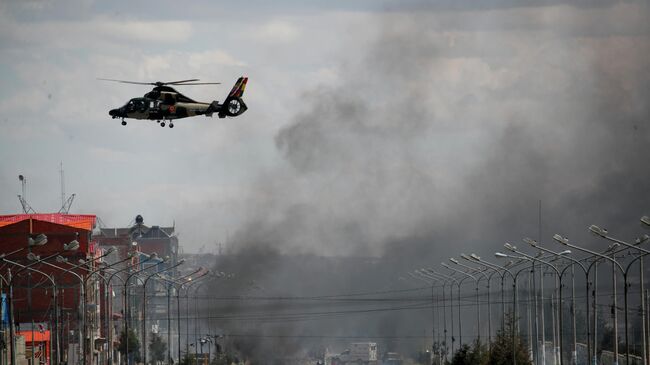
[443, 138]
[455, 135]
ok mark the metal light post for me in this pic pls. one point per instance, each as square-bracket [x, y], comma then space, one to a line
[444, 308]
[565, 255]
[97, 271]
[565, 241]
[82, 297]
[458, 303]
[3, 281]
[433, 313]
[12, 332]
[144, 306]
[127, 305]
[197, 323]
[174, 283]
[478, 306]
[109, 330]
[73, 245]
[452, 280]
[603, 233]
[197, 280]
[645, 222]
[514, 301]
[82, 308]
[512, 248]
[487, 280]
[39, 240]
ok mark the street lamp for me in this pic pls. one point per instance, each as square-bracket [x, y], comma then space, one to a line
[444, 306]
[12, 328]
[452, 280]
[565, 254]
[144, 306]
[197, 280]
[39, 240]
[174, 282]
[487, 280]
[109, 335]
[505, 270]
[603, 233]
[127, 304]
[434, 311]
[645, 220]
[478, 306]
[82, 297]
[565, 241]
[458, 284]
[558, 288]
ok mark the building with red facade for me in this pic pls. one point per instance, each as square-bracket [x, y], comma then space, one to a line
[49, 316]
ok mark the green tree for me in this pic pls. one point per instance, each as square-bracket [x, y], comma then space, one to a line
[188, 359]
[502, 349]
[474, 355]
[134, 346]
[157, 349]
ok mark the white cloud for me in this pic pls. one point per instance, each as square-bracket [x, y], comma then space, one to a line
[97, 32]
[276, 31]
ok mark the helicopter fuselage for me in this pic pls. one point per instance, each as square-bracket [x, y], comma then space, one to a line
[153, 109]
[163, 103]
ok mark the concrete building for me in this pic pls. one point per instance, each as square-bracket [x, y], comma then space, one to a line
[142, 241]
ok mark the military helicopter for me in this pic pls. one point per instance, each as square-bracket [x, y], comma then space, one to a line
[163, 103]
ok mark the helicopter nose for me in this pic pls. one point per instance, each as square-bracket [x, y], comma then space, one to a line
[114, 113]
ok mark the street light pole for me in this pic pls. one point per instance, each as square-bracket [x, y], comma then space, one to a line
[175, 282]
[82, 308]
[514, 301]
[12, 332]
[432, 282]
[82, 297]
[534, 244]
[73, 245]
[478, 306]
[144, 307]
[97, 271]
[109, 334]
[601, 232]
[444, 307]
[197, 280]
[487, 280]
[435, 274]
[558, 351]
[565, 241]
[127, 305]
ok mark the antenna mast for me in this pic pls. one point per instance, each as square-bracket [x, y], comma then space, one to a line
[23, 198]
[62, 184]
[65, 203]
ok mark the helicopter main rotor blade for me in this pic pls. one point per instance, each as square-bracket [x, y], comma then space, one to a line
[200, 83]
[128, 82]
[179, 82]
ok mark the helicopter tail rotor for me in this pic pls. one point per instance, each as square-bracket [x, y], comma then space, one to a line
[234, 104]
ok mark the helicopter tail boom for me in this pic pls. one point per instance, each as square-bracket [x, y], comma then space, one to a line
[233, 105]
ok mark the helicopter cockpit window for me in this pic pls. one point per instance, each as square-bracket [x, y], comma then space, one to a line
[139, 105]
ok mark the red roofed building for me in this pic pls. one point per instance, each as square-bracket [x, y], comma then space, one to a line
[33, 292]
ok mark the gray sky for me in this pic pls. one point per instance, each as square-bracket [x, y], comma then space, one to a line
[371, 125]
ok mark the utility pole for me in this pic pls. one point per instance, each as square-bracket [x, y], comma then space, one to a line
[66, 204]
[27, 209]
